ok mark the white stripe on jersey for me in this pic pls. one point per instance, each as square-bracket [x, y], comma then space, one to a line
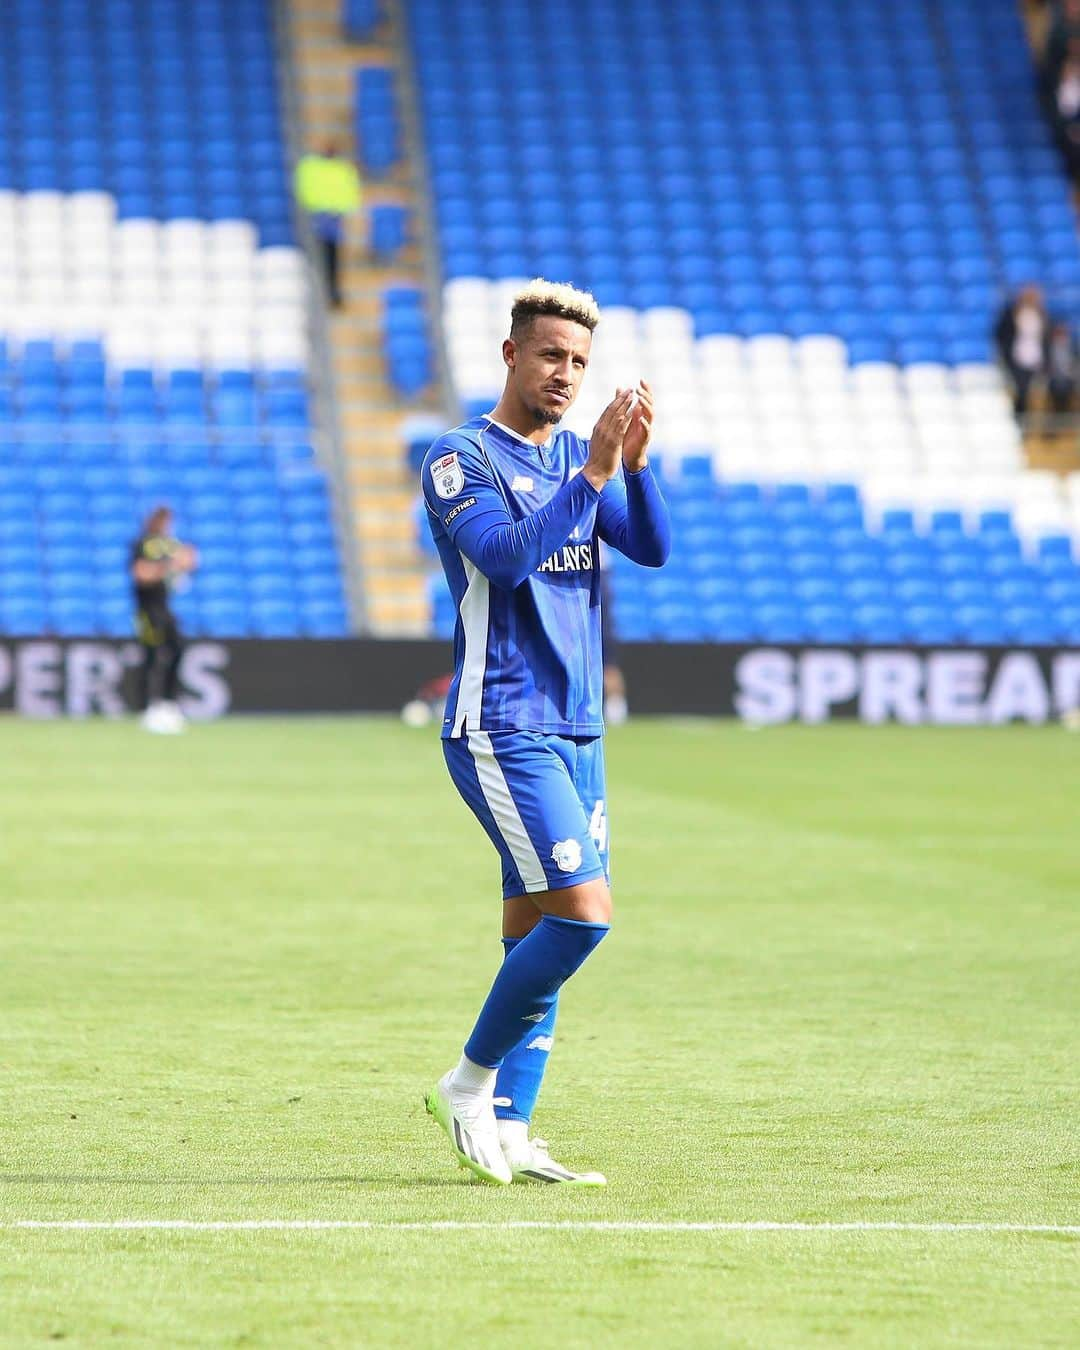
[504, 809]
[474, 623]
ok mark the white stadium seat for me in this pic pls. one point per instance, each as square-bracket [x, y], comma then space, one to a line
[668, 323]
[876, 377]
[229, 238]
[821, 351]
[720, 352]
[924, 436]
[926, 376]
[980, 376]
[1038, 486]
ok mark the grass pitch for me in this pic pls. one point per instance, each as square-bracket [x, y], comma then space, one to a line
[842, 986]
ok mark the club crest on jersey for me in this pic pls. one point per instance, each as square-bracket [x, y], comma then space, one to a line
[567, 855]
[448, 476]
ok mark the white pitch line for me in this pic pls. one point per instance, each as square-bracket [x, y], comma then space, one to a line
[532, 1225]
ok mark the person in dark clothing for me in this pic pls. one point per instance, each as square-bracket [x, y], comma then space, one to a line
[1020, 335]
[1059, 81]
[1064, 28]
[1067, 109]
[157, 559]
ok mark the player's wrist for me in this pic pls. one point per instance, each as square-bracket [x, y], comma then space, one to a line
[596, 479]
[636, 465]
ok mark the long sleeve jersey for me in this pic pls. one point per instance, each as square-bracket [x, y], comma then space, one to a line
[517, 527]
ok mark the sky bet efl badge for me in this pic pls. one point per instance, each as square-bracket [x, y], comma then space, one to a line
[449, 479]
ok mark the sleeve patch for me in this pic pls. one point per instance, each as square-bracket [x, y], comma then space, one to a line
[457, 510]
[448, 476]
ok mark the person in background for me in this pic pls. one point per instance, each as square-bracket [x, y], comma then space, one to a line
[1020, 335]
[1064, 28]
[1067, 108]
[1062, 368]
[327, 187]
[157, 561]
[1058, 77]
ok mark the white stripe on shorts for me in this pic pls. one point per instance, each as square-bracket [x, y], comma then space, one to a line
[474, 623]
[504, 809]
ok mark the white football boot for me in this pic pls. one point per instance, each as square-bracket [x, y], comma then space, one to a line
[162, 720]
[469, 1122]
[173, 717]
[531, 1163]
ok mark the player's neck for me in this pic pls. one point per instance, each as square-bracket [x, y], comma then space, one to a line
[510, 413]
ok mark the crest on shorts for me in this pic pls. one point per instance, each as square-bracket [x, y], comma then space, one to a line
[567, 855]
[448, 476]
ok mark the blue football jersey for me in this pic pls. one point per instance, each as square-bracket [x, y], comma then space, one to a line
[517, 529]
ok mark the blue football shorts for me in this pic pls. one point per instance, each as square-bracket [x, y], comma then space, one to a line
[541, 800]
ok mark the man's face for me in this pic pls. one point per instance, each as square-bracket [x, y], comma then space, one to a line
[547, 365]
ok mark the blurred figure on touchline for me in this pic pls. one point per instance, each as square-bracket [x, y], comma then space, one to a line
[158, 560]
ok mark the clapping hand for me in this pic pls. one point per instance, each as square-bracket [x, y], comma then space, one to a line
[638, 434]
[606, 445]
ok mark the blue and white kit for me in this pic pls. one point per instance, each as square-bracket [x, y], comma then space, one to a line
[517, 527]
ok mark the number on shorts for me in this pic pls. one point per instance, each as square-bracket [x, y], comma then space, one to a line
[598, 826]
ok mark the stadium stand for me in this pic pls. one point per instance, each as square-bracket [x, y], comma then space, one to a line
[408, 346]
[389, 230]
[800, 220]
[152, 343]
[378, 130]
[361, 19]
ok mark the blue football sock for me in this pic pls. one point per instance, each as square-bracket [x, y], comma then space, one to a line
[527, 984]
[518, 1084]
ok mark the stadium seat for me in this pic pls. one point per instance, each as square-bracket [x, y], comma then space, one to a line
[830, 277]
[162, 302]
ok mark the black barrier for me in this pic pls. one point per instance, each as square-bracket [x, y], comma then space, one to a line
[52, 677]
[769, 685]
[47, 677]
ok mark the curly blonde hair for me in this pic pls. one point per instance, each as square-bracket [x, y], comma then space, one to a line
[552, 297]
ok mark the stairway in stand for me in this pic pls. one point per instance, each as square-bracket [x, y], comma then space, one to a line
[370, 409]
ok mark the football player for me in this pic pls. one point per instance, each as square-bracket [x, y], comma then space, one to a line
[517, 509]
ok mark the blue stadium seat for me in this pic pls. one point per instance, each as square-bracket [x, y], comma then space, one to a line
[980, 625]
[830, 623]
[71, 617]
[326, 618]
[275, 618]
[729, 622]
[780, 623]
[1068, 624]
[226, 618]
[1031, 625]
[897, 231]
[322, 587]
[930, 624]
[878, 624]
[389, 229]
[82, 121]
[22, 614]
